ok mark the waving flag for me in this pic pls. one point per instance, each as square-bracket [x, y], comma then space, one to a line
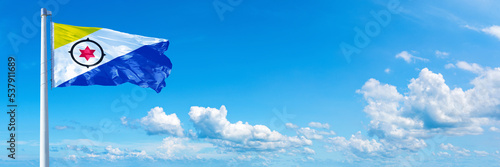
[85, 56]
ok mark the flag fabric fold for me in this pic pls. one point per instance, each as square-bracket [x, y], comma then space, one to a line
[84, 56]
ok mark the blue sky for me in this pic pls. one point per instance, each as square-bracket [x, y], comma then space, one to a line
[422, 90]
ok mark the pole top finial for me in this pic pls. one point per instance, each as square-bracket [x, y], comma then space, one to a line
[45, 12]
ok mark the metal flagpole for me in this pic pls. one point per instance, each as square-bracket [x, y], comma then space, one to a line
[44, 120]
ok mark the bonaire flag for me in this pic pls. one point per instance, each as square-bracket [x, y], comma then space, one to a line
[85, 56]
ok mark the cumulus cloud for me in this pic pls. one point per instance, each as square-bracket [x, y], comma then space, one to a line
[443, 154]
[140, 154]
[493, 30]
[449, 65]
[472, 67]
[471, 27]
[108, 153]
[319, 125]
[114, 154]
[72, 158]
[308, 150]
[63, 127]
[448, 146]
[114, 151]
[481, 153]
[357, 145]
[157, 122]
[170, 148]
[213, 135]
[406, 56]
[180, 147]
[291, 126]
[387, 70]
[441, 54]
[494, 129]
[171, 145]
[305, 150]
[431, 107]
[76, 148]
[313, 134]
[124, 120]
[457, 150]
[127, 122]
[212, 124]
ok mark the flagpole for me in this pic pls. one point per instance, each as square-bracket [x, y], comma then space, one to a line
[44, 120]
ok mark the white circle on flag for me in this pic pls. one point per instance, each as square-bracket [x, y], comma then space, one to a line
[80, 49]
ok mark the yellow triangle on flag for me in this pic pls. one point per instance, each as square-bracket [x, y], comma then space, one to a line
[65, 34]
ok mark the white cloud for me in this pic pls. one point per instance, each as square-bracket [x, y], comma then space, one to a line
[213, 125]
[493, 30]
[114, 151]
[172, 145]
[357, 145]
[124, 120]
[141, 155]
[77, 148]
[494, 129]
[157, 122]
[131, 124]
[214, 137]
[117, 154]
[180, 147]
[409, 57]
[92, 155]
[192, 134]
[319, 125]
[291, 126]
[325, 133]
[443, 154]
[63, 127]
[313, 134]
[448, 146]
[449, 65]
[113, 154]
[72, 158]
[405, 56]
[308, 150]
[475, 68]
[170, 148]
[441, 54]
[387, 70]
[457, 150]
[471, 27]
[305, 150]
[430, 107]
[481, 153]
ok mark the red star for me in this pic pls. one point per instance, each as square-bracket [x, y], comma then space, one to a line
[87, 53]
